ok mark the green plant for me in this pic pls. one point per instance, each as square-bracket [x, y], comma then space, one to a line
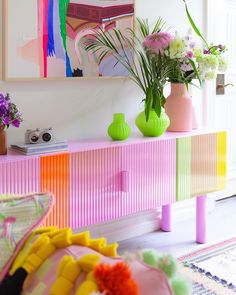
[145, 70]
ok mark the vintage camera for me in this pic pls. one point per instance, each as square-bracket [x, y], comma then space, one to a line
[39, 136]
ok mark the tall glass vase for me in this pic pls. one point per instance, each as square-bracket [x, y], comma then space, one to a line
[3, 141]
[178, 107]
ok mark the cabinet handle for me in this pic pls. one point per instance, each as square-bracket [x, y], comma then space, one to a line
[125, 181]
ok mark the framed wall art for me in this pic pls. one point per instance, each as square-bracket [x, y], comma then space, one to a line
[42, 38]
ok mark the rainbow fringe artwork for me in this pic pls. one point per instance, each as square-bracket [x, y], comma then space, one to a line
[46, 41]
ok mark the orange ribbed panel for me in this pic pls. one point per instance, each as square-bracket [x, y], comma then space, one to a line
[55, 179]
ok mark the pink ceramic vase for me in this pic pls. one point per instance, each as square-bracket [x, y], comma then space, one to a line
[178, 107]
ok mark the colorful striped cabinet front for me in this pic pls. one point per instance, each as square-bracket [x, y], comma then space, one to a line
[112, 180]
[201, 165]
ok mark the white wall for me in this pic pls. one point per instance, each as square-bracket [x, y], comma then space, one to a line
[83, 108]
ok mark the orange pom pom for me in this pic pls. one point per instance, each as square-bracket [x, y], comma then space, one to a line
[115, 280]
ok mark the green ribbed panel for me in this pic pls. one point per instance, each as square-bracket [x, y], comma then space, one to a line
[183, 169]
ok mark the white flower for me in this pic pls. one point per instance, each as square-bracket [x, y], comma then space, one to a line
[211, 75]
[208, 66]
[212, 61]
[198, 52]
[178, 48]
[223, 65]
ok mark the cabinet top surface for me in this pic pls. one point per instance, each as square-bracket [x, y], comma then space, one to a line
[102, 143]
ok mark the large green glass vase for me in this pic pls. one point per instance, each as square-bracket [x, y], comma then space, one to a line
[155, 126]
[119, 129]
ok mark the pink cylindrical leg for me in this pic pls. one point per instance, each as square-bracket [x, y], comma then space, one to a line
[166, 224]
[201, 219]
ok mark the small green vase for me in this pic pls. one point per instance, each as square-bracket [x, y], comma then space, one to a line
[154, 126]
[119, 129]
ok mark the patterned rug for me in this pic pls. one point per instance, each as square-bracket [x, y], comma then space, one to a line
[213, 269]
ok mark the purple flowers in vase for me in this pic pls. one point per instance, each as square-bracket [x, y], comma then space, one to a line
[9, 113]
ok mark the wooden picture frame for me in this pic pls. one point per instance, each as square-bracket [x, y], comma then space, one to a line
[45, 43]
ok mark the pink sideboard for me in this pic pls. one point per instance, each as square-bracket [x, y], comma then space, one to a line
[98, 181]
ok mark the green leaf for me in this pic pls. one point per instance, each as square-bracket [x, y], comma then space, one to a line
[186, 84]
[163, 100]
[195, 28]
[148, 102]
[195, 70]
[158, 107]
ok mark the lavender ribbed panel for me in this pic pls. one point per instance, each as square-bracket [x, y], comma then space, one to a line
[20, 177]
[95, 185]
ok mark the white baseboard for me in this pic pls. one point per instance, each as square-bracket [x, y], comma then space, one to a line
[187, 209]
[127, 227]
[142, 223]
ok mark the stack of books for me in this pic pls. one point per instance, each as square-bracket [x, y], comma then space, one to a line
[40, 148]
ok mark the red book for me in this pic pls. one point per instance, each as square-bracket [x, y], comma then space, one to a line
[99, 14]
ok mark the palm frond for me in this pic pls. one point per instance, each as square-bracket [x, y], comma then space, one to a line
[145, 70]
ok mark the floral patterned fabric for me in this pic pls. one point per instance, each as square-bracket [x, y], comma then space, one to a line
[18, 216]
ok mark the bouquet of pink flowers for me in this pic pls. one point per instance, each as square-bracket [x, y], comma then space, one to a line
[159, 57]
[185, 59]
[9, 114]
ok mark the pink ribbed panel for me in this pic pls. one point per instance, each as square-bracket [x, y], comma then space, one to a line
[97, 191]
[20, 177]
[125, 181]
[152, 175]
[95, 186]
[204, 164]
